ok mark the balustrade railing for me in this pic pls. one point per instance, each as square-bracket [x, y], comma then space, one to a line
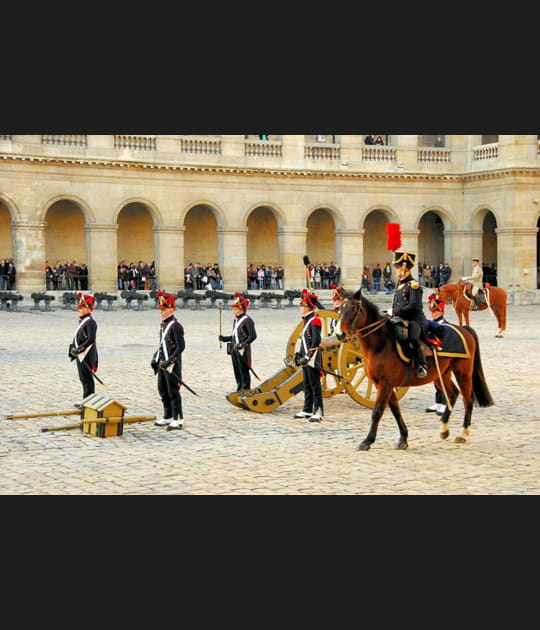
[486, 151]
[432, 155]
[262, 148]
[69, 140]
[321, 151]
[378, 153]
[135, 143]
[201, 146]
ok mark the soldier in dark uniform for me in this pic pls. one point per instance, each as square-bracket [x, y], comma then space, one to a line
[407, 304]
[436, 306]
[309, 357]
[239, 343]
[167, 363]
[83, 347]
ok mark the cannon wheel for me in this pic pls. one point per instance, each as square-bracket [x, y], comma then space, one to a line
[359, 387]
[345, 360]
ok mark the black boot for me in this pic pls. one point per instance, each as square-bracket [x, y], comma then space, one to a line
[421, 369]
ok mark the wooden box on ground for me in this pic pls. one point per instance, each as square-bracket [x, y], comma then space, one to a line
[97, 406]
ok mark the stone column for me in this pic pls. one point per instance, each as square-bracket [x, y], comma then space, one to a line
[407, 152]
[293, 248]
[169, 248]
[233, 259]
[350, 248]
[102, 252]
[516, 257]
[29, 255]
[460, 247]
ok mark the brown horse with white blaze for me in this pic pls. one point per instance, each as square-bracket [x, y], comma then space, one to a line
[456, 294]
[362, 320]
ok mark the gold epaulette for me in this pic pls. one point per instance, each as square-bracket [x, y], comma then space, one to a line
[415, 285]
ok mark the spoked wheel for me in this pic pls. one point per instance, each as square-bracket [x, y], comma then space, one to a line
[330, 358]
[359, 387]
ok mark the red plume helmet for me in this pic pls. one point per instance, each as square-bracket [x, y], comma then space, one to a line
[393, 236]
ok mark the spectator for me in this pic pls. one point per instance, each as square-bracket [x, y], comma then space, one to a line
[369, 139]
[439, 142]
[379, 140]
[377, 275]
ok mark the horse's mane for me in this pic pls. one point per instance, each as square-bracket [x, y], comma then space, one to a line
[373, 313]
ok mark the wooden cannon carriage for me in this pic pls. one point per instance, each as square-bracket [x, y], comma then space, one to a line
[344, 371]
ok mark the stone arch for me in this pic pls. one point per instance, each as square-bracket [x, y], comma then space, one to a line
[432, 223]
[375, 237]
[65, 218]
[135, 237]
[323, 223]
[151, 208]
[263, 223]
[59, 199]
[8, 213]
[278, 213]
[201, 242]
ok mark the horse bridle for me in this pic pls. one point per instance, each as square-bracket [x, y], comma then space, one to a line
[364, 331]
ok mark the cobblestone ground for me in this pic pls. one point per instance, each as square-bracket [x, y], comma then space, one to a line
[227, 450]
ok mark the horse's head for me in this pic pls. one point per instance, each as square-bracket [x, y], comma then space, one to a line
[353, 315]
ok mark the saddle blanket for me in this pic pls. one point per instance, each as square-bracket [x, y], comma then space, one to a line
[454, 343]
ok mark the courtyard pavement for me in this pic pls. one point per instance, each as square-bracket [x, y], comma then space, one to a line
[224, 450]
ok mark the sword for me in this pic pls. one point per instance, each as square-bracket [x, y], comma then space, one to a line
[220, 311]
[81, 358]
[189, 389]
[169, 370]
[248, 365]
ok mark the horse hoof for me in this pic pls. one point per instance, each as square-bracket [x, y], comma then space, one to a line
[401, 446]
[459, 440]
[444, 435]
[363, 447]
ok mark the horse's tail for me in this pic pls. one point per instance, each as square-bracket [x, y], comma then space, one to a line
[480, 386]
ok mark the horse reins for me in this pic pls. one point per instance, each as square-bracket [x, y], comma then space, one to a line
[370, 328]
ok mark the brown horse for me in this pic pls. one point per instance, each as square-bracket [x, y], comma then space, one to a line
[456, 294]
[361, 319]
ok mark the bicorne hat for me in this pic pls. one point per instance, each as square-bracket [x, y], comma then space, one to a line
[86, 301]
[435, 303]
[404, 258]
[338, 292]
[309, 299]
[240, 302]
[165, 300]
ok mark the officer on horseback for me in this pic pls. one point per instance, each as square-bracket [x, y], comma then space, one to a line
[476, 279]
[407, 304]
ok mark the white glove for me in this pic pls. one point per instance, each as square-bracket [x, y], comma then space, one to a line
[389, 311]
[464, 279]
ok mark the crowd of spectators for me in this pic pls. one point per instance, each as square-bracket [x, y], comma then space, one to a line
[8, 274]
[265, 277]
[136, 277]
[197, 277]
[69, 275]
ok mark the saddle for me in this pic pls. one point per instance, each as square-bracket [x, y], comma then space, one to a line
[481, 296]
[446, 340]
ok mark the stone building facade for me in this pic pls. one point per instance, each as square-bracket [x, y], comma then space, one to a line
[239, 200]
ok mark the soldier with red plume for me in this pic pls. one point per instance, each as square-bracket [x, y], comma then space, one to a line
[167, 363]
[83, 347]
[308, 356]
[239, 343]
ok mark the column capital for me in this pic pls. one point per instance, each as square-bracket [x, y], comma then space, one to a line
[101, 227]
[172, 229]
[30, 225]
